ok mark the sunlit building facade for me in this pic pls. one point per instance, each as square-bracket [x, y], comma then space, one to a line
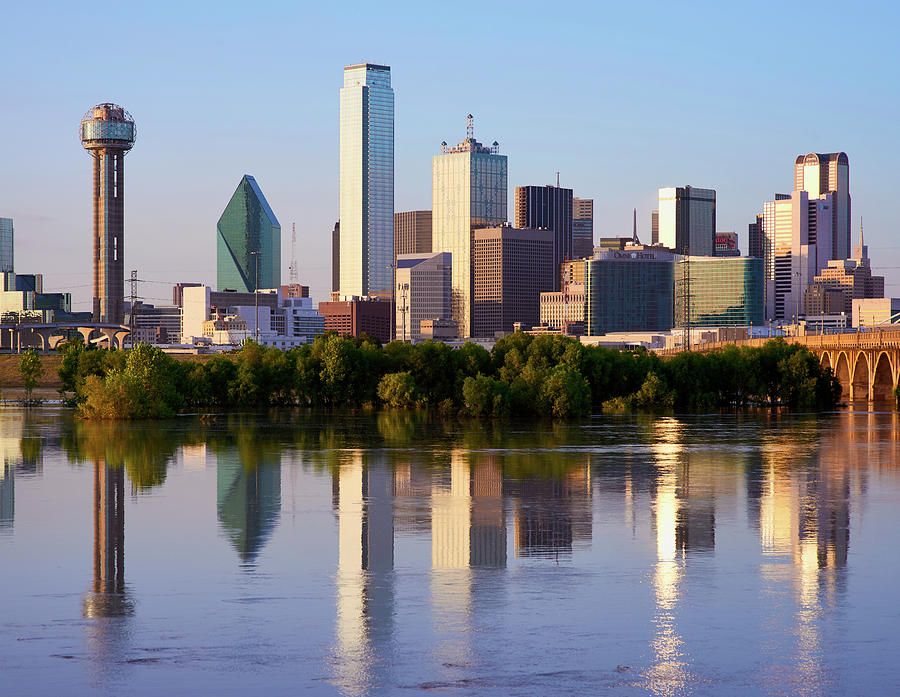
[724, 292]
[423, 292]
[687, 220]
[248, 241]
[366, 181]
[820, 174]
[469, 190]
[582, 227]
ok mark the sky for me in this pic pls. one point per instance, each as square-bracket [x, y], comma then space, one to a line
[619, 98]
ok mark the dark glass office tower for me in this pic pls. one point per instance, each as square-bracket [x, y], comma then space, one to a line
[548, 207]
[247, 227]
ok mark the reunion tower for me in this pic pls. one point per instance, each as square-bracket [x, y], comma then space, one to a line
[107, 133]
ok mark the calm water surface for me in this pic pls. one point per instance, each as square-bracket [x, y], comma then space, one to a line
[384, 554]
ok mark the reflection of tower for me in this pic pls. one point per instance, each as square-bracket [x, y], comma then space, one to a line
[107, 133]
[468, 526]
[7, 496]
[551, 513]
[249, 502]
[108, 592]
[364, 502]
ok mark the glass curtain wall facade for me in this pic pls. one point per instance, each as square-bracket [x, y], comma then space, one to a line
[724, 292]
[469, 190]
[6, 245]
[366, 181]
[627, 293]
[687, 220]
[550, 208]
[248, 225]
[582, 228]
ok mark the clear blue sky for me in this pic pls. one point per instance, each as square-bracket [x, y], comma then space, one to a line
[621, 98]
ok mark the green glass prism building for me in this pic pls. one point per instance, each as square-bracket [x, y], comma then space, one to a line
[248, 226]
[724, 291]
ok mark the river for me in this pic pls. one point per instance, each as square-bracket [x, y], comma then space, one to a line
[386, 553]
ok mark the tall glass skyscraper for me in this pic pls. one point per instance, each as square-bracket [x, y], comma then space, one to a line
[469, 190]
[367, 181]
[248, 225]
[6, 245]
[687, 220]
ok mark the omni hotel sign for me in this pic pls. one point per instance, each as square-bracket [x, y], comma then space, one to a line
[634, 255]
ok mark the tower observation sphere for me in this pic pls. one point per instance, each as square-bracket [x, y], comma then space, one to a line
[107, 132]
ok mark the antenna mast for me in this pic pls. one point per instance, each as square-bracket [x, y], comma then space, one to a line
[292, 271]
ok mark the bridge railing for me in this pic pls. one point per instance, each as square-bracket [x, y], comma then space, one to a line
[878, 339]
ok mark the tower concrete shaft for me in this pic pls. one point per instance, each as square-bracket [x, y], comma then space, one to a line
[109, 226]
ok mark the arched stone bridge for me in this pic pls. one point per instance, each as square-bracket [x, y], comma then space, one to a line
[867, 364]
[46, 336]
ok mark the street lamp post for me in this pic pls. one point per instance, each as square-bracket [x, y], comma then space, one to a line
[256, 294]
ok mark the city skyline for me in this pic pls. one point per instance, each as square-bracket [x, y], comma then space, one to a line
[619, 156]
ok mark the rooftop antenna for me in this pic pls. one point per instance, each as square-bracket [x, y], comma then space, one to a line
[634, 237]
[861, 243]
[292, 275]
[470, 127]
[557, 180]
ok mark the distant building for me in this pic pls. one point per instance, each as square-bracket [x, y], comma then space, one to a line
[629, 290]
[178, 292]
[820, 174]
[437, 329]
[469, 190]
[248, 240]
[302, 320]
[565, 309]
[876, 312]
[357, 316]
[153, 324]
[582, 228]
[366, 180]
[336, 258]
[7, 246]
[412, 232]
[723, 292]
[819, 300]
[654, 227]
[294, 290]
[549, 208]
[606, 243]
[422, 292]
[226, 329]
[853, 277]
[756, 241]
[687, 220]
[512, 268]
[727, 244]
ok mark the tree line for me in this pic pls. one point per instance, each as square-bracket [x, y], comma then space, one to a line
[549, 375]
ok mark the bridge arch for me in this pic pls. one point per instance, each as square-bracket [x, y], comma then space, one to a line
[825, 359]
[860, 389]
[842, 373]
[883, 379]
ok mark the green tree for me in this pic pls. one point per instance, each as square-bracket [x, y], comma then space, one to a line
[31, 369]
[398, 389]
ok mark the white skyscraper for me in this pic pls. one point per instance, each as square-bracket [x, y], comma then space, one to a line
[469, 190]
[367, 181]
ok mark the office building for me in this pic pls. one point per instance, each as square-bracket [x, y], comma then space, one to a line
[422, 292]
[7, 246]
[356, 316]
[248, 241]
[876, 312]
[178, 292]
[548, 208]
[687, 220]
[512, 268]
[294, 290]
[412, 232]
[654, 227]
[565, 309]
[108, 133]
[152, 324]
[366, 181]
[629, 290]
[821, 300]
[853, 277]
[469, 190]
[722, 292]
[336, 258]
[582, 228]
[820, 174]
[302, 320]
[798, 242]
[727, 244]
[756, 241]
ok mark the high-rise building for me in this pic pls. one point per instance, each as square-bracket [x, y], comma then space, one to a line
[549, 208]
[582, 227]
[829, 173]
[336, 257]
[798, 242]
[367, 181]
[756, 241]
[7, 248]
[248, 241]
[356, 316]
[724, 292]
[727, 244]
[469, 190]
[422, 292]
[108, 133]
[654, 227]
[687, 220]
[853, 277]
[512, 268]
[412, 232]
[629, 290]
